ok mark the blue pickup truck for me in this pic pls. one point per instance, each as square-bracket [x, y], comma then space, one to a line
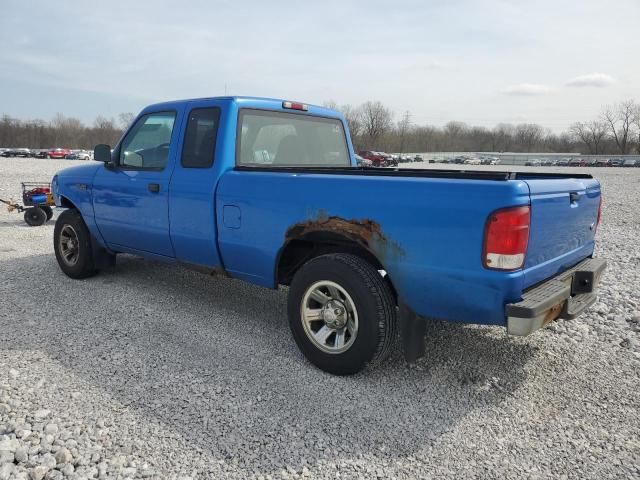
[268, 191]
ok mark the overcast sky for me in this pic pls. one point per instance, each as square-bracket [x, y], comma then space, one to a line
[482, 62]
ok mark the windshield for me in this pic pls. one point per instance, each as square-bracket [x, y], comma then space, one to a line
[287, 139]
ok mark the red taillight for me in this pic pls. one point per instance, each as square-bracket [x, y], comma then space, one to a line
[295, 106]
[599, 213]
[506, 237]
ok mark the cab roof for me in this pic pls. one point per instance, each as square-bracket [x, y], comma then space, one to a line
[251, 102]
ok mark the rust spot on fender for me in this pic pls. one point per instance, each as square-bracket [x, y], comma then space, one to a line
[364, 231]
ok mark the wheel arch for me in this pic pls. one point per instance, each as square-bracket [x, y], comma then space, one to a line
[299, 249]
[66, 203]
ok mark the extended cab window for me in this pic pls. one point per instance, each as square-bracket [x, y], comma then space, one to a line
[200, 138]
[288, 139]
[146, 146]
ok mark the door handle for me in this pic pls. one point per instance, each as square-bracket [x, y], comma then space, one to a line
[573, 197]
[154, 187]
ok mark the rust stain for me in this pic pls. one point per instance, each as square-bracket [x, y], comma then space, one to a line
[553, 313]
[364, 231]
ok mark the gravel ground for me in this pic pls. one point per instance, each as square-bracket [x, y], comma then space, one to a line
[153, 371]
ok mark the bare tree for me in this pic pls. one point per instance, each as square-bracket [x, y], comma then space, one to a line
[354, 119]
[581, 133]
[637, 122]
[376, 120]
[125, 119]
[528, 135]
[502, 138]
[453, 132]
[620, 122]
[598, 133]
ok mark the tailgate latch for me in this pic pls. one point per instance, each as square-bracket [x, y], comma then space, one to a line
[573, 197]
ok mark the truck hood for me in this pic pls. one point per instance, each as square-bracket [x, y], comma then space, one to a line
[83, 172]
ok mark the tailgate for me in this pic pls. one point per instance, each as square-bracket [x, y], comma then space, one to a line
[564, 213]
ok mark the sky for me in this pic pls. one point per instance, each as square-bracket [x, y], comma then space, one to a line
[481, 62]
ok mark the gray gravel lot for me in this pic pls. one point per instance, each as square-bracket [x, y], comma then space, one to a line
[153, 371]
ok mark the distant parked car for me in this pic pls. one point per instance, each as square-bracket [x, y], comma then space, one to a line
[418, 158]
[563, 162]
[58, 153]
[616, 162]
[603, 162]
[363, 162]
[629, 163]
[590, 162]
[533, 162]
[472, 161]
[377, 159]
[39, 153]
[577, 162]
[17, 152]
[390, 160]
[82, 154]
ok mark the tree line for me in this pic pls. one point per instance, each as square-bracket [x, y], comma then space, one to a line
[616, 130]
[373, 126]
[62, 131]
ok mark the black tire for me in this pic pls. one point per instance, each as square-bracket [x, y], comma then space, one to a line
[48, 211]
[374, 304]
[35, 216]
[71, 225]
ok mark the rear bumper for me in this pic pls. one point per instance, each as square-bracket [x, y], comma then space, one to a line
[566, 295]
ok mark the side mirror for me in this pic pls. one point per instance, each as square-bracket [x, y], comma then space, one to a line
[102, 153]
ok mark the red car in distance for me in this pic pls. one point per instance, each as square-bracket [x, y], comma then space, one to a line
[58, 153]
[377, 158]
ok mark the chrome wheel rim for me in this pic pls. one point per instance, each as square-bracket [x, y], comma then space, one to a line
[69, 245]
[329, 317]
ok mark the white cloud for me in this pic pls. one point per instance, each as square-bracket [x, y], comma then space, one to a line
[529, 89]
[592, 80]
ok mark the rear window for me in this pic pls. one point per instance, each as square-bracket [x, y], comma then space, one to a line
[288, 139]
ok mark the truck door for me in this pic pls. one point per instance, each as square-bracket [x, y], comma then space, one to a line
[131, 198]
[193, 184]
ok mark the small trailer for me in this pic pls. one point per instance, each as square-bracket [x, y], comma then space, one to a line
[37, 203]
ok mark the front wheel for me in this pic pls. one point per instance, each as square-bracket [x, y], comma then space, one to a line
[341, 313]
[72, 245]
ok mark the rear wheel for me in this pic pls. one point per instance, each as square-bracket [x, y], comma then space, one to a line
[72, 244]
[48, 211]
[35, 216]
[341, 313]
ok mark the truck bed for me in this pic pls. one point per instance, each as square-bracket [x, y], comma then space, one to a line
[418, 172]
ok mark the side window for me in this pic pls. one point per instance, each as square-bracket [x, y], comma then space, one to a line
[200, 138]
[146, 146]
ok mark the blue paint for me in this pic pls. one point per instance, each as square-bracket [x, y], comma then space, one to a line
[431, 228]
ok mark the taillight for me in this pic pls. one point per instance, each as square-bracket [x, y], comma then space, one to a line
[599, 212]
[506, 237]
